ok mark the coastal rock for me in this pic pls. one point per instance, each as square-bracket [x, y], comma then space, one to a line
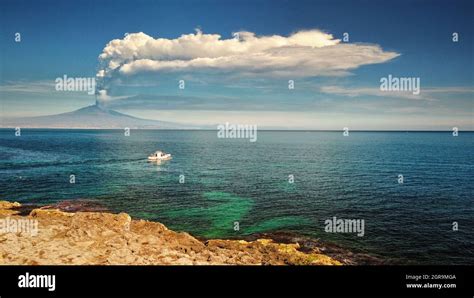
[7, 208]
[97, 238]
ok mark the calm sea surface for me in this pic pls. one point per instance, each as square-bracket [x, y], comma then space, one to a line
[229, 180]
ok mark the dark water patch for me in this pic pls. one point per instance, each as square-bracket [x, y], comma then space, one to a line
[72, 206]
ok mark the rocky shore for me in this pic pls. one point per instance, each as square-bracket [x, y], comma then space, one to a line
[100, 238]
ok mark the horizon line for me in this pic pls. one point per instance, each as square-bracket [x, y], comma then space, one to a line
[204, 129]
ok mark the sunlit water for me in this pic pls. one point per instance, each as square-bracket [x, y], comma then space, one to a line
[234, 180]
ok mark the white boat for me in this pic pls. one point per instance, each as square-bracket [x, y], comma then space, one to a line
[159, 155]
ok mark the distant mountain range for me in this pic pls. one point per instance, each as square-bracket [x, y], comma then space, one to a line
[92, 116]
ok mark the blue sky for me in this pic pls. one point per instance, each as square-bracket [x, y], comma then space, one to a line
[67, 37]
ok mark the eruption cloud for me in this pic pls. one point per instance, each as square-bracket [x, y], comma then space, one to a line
[308, 53]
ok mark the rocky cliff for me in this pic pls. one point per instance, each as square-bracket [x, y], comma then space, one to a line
[101, 238]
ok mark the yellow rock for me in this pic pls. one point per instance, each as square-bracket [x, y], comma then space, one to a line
[105, 238]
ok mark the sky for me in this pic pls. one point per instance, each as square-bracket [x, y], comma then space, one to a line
[140, 50]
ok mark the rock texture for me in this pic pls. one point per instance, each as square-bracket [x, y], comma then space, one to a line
[100, 238]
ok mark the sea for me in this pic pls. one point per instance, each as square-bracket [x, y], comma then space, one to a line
[413, 190]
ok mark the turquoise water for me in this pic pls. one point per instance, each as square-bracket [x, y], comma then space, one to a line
[229, 180]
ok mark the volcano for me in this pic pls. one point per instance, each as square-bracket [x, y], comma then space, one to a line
[91, 117]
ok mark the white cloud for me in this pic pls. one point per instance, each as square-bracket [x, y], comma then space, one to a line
[425, 94]
[372, 91]
[302, 54]
[29, 87]
[449, 90]
[103, 96]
